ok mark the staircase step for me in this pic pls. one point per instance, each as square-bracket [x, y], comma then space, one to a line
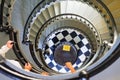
[41, 18]
[32, 38]
[57, 8]
[32, 31]
[51, 11]
[37, 24]
[46, 14]
[32, 34]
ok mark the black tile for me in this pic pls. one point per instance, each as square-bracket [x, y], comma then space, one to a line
[51, 64]
[65, 33]
[88, 46]
[58, 67]
[80, 44]
[73, 34]
[46, 47]
[80, 53]
[51, 57]
[63, 40]
[73, 42]
[87, 53]
[78, 61]
[55, 39]
[81, 37]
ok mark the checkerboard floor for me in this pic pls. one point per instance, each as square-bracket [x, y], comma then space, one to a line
[72, 36]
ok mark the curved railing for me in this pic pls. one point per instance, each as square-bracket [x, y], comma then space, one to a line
[108, 11]
[65, 16]
[98, 66]
[90, 71]
[32, 51]
[97, 7]
[13, 36]
[1, 11]
[5, 14]
[17, 51]
[106, 60]
[107, 15]
[111, 18]
[37, 8]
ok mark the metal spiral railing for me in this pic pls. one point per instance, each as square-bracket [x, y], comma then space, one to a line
[5, 15]
[90, 4]
[84, 73]
[105, 12]
[58, 18]
[90, 68]
[17, 51]
[71, 17]
[39, 6]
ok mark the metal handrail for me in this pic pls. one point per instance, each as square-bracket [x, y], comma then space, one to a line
[61, 15]
[106, 58]
[110, 57]
[17, 51]
[111, 18]
[1, 11]
[29, 18]
[88, 70]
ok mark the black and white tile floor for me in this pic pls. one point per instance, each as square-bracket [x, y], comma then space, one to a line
[72, 36]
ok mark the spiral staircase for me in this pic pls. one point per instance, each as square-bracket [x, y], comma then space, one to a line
[40, 27]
